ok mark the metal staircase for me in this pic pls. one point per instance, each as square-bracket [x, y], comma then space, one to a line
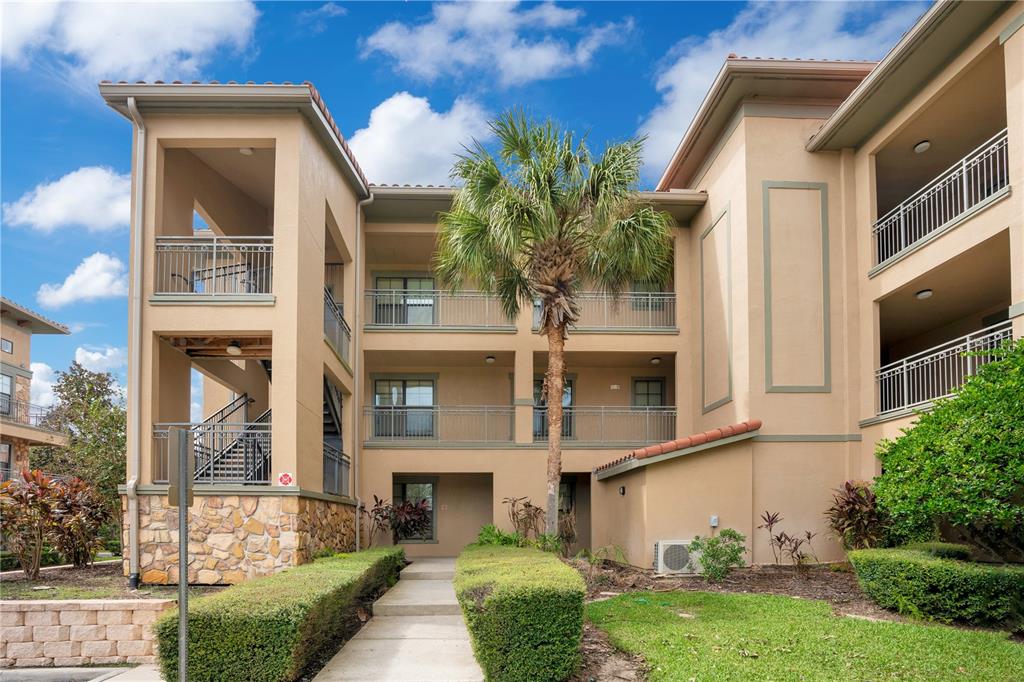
[233, 451]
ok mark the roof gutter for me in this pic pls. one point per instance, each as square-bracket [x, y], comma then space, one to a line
[910, 41]
[135, 347]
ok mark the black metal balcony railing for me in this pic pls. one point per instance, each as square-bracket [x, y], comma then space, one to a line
[337, 331]
[440, 423]
[213, 266]
[413, 308]
[655, 311]
[22, 412]
[935, 373]
[963, 186]
[616, 425]
[337, 471]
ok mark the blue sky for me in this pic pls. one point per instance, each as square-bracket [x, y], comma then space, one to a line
[407, 83]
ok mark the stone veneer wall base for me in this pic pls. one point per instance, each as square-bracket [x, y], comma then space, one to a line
[237, 537]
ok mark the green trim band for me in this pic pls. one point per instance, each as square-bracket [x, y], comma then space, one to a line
[727, 398]
[1015, 310]
[430, 328]
[220, 299]
[890, 416]
[1011, 28]
[826, 323]
[810, 438]
[10, 369]
[244, 491]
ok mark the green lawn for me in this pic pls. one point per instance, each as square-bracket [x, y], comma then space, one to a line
[767, 637]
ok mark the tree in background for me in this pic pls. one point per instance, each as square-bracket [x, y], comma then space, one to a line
[539, 222]
[960, 468]
[89, 407]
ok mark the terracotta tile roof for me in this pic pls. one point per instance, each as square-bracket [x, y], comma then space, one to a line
[314, 94]
[408, 186]
[684, 443]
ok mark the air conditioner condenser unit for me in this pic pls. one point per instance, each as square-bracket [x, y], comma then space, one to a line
[675, 556]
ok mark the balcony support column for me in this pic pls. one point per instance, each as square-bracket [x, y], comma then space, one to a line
[522, 392]
[1013, 57]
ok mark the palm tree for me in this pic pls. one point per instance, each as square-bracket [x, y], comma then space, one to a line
[540, 221]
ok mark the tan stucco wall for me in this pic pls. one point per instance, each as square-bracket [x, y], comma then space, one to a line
[21, 356]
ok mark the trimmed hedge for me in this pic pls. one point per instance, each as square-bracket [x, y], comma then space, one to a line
[524, 611]
[275, 628]
[919, 584]
[942, 550]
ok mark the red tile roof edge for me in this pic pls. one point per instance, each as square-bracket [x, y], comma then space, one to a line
[687, 442]
[314, 96]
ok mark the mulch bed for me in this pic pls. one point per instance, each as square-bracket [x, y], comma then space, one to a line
[98, 581]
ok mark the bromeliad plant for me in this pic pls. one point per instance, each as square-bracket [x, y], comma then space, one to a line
[537, 222]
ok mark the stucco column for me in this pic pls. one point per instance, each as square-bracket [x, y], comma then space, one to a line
[1013, 56]
[522, 390]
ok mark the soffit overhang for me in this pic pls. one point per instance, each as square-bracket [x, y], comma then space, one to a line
[941, 33]
[29, 320]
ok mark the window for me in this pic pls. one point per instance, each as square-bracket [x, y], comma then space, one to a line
[403, 408]
[540, 415]
[6, 345]
[6, 383]
[5, 461]
[649, 392]
[399, 301]
[414, 490]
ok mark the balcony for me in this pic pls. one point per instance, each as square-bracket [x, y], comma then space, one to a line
[919, 379]
[213, 267]
[224, 452]
[442, 424]
[22, 412]
[336, 330]
[626, 426]
[337, 471]
[971, 183]
[434, 309]
[628, 312]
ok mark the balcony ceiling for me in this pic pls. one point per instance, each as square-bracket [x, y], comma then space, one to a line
[965, 116]
[384, 360]
[254, 174]
[252, 347]
[977, 280]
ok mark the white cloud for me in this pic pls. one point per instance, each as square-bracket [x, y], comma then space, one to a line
[315, 20]
[101, 359]
[94, 197]
[408, 142]
[43, 379]
[90, 41]
[822, 30]
[98, 276]
[517, 44]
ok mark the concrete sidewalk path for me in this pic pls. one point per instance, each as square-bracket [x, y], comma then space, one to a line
[416, 634]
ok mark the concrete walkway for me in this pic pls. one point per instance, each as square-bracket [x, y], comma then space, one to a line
[416, 634]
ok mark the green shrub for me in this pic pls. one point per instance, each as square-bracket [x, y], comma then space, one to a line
[524, 610]
[919, 584]
[275, 628]
[942, 550]
[720, 554]
[491, 535]
[961, 463]
[854, 516]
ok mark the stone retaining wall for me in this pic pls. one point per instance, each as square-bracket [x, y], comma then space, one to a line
[42, 632]
[237, 537]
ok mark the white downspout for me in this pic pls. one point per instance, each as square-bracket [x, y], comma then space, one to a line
[358, 366]
[135, 346]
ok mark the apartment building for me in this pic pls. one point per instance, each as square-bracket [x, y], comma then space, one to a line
[22, 424]
[845, 231]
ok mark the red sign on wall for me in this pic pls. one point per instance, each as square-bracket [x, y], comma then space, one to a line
[285, 479]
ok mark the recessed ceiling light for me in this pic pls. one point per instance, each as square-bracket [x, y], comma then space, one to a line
[922, 146]
[489, 359]
[234, 348]
[923, 294]
[245, 151]
[656, 360]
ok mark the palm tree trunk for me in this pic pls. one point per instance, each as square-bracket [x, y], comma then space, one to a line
[554, 383]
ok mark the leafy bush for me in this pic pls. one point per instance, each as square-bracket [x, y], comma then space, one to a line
[26, 517]
[524, 610]
[854, 516]
[942, 550]
[918, 584]
[400, 519]
[961, 463]
[79, 514]
[492, 535]
[275, 628]
[720, 554]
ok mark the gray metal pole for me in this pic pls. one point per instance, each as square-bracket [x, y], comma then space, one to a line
[183, 488]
